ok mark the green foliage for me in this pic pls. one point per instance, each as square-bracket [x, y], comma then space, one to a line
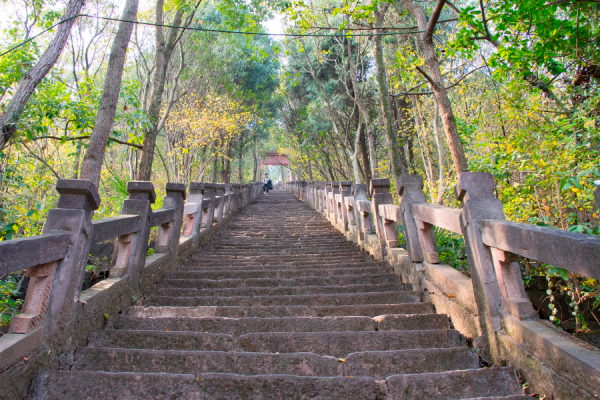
[452, 250]
[9, 303]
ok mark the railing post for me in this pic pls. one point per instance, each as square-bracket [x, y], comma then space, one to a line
[53, 286]
[169, 232]
[345, 190]
[141, 197]
[193, 221]
[476, 191]
[380, 192]
[363, 223]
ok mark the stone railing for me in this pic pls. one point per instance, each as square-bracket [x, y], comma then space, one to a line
[491, 307]
[57, 315]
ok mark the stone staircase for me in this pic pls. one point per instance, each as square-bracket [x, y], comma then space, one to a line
[280, 306]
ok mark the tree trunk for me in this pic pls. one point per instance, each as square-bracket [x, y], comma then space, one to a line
[94, 156]
[441, 156]
[241, 160]
[255, 159]
[227, 163]
[164, 52]
[404, 125]
[397, 161]
[366, 117]
[364, 153]
[27, 84]
[437, 84]
[213, 170]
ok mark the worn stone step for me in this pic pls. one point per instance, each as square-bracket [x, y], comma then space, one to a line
[162, 340]
[340, 344]
[515, 397]
[199, 362]
[337, 280]
[279, 291]
[241, 326]
[94, 385]
[276, 387]
[367, 310]
[258, 273]
[291, 266]
[293, 300]
[466, 384]
[381, 364]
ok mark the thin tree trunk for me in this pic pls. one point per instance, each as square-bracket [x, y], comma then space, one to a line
[405, 125]
[441, 156]
[164, 52]
[91, 166]
[437, 83]
[27, 84]
[365, 156]
[241, 160]
[255, 160]
[397, 161]
[366, 117]
[213, 172]
[227, 163]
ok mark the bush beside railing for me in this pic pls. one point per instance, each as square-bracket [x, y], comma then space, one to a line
[491, 307]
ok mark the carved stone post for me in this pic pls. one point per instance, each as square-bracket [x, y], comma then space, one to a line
[193, 221]
[170, 232]
[476, 191]
[55, 287]
[141, 197]
[345, 190]
[219, 201]
[363, 223]
[332, 205]
[410, 190]
[380, 192]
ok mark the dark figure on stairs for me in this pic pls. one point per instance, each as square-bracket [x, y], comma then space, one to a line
[267, 184]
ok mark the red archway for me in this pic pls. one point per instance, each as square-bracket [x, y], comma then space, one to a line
[272, 158]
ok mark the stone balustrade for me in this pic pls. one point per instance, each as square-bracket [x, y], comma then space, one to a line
[491, 307]
[57, 314]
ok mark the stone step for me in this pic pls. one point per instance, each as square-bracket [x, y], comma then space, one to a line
[162, 340]
[465, 384]
[367, 310]
[381, 364]
[276, 387]
[258, 273]
[340, 344]
[241, 326]
[279, 291]
[199, 362]
[337, 280]
[92, 385]
[293, 300]
[514, 397]
[292, 266]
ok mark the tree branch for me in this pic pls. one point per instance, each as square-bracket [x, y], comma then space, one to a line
[40, 159]
[68, 139]
[435, 15]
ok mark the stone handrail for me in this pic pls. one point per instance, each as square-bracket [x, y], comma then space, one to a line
[111, 227]
[55, 262]
[20, 254]
[563, 249]
[491, 307]
[444, 217]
